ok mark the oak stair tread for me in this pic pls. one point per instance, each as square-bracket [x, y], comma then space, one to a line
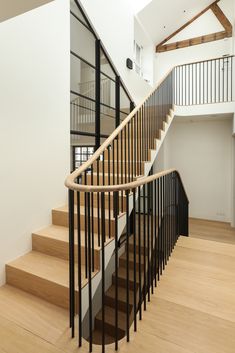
[50, 268]
[60, 233]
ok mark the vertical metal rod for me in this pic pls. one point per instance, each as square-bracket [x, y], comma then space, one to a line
[97, 94]
[148, 240]
[109, 196]
[227, 78]
[89, 273]
[155, 232]
[152, 237]
[127, 267]
[129, 152]
[79, 272]
[139, 248]
[219, 82]
[117, 101]
[85, 233]
[92, 223]
[116, 267]
[134, 243]
[231, 98]
[98, 202]
[103, 269]
[71, 261]
[144, 202]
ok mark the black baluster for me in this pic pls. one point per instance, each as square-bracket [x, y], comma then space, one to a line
[134, 243]
[115, 195]
[103, 268]
[89, 272]
[127, 267]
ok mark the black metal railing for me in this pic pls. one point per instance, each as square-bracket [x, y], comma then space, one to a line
[106, 207]
[151, 232]
[204, 82]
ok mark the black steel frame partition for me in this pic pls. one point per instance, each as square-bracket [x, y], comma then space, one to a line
[95, 103]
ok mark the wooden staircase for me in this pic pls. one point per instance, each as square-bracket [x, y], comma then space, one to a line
[44, 272]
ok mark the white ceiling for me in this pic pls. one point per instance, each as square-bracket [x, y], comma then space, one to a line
[161, 18]
[12, 8]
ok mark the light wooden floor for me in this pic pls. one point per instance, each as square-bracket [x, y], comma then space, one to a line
[211, 230]
[192, 311]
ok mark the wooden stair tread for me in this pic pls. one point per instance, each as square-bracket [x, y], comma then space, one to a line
[60, 233]
[50, 268]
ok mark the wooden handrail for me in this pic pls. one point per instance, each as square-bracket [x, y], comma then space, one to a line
[122, 187]
[70, 180]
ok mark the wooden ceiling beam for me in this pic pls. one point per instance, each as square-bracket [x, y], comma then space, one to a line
[222, 18]
[186, 24]
[194, 41]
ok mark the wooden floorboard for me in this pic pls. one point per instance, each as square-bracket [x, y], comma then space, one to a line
[192, 310]
[211, 230]
[33, 314]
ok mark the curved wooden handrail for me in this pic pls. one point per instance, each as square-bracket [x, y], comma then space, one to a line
[124, 187]
[70, 180]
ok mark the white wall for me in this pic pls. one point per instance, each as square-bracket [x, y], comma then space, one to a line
[201, 150]
[34, 123]
[114, 22]
[165, 61]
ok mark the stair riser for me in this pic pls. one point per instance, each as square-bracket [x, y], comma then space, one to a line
[131, 247]
[109, 301]
[139, 166]
[108, 202]
[60, 218]
[122, 282]
[108, 180]
[124, 157]
[49, 291]
[123, 263]
[60, 249]
[110, 329]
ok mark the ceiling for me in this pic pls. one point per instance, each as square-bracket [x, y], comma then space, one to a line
[161, 18]
[12, 8]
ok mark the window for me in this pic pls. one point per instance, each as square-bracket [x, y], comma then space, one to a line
[138, 58]
[82, 154]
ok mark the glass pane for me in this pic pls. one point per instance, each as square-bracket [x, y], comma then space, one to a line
[107, 91]
[105, 66]
[76, 11]
[107, 120]
[82, 41]
[82, 114]
[82, 79]
[124, 101]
